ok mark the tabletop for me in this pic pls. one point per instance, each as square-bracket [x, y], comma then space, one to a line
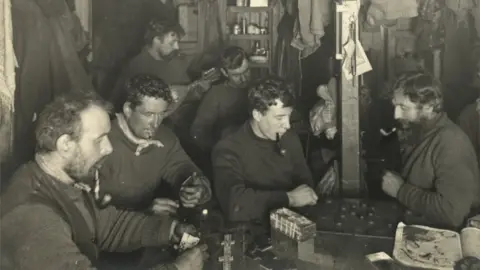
[347, 231]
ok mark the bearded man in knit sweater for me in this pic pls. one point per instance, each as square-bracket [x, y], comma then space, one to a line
[53, 216]
[439, 180]
[261, 166]
[147, 155]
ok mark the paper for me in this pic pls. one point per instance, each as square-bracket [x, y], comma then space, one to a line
[426, 247]
[362, 65]
[188, 241]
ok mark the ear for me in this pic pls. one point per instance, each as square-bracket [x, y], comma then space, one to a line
[257, 115]
[127, 109]
[64, 143]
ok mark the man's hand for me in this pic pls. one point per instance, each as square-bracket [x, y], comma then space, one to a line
[182, 228]
[205, 84]
[391, 183]
[192, 259]
[164, 206]
[301, 196]
[192, 191]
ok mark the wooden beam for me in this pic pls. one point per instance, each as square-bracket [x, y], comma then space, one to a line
[351, 174]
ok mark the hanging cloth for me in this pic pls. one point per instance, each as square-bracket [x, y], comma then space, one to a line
[286, 61]
[7, 80]
[313, 17]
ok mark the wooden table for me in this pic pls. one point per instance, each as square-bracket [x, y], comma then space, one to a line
[343, 247]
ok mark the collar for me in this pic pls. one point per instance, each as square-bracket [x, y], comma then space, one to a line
[141, 143]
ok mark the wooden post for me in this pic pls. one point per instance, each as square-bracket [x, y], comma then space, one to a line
[350, 122]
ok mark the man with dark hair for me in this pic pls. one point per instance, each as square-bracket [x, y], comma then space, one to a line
[439, 180]
[159, 58]
[53, 216]
[225, 105]
[147, 154]
[261, 166]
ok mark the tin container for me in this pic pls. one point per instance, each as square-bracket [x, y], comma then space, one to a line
[237, 30]
[241, 3]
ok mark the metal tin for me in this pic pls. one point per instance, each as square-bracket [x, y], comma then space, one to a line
[236, 29]
[241, 3]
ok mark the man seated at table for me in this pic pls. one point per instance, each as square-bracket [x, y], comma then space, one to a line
[439, 179]
[224, 106]
[147, 154]
[261, 166]
[52, 214]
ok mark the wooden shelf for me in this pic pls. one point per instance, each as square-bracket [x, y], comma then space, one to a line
[249, 37]
[248, 9]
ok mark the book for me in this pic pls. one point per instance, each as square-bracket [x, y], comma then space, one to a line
[431, 248]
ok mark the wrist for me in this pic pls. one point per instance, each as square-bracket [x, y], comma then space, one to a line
[290, 199]
[398, 191]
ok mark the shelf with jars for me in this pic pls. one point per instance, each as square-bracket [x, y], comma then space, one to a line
[250, 25]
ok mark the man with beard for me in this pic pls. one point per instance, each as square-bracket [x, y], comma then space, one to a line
[225, 106]
[261, 166]
[52, 214]
[147, 156]
[160, 58]
[439, 180]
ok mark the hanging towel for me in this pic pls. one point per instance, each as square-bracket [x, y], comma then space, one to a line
[313, 17]
[7, 79]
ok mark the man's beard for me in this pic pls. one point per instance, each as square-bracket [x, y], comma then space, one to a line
[78, 170]
[415, 125]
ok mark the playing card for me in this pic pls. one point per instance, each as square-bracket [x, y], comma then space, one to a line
[188, 241]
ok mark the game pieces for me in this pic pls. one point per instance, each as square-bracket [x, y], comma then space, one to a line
[227, 257]
[359, 217]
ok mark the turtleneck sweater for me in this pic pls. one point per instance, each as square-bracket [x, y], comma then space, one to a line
[252, 176]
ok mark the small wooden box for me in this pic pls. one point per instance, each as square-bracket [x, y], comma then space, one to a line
[292, 224]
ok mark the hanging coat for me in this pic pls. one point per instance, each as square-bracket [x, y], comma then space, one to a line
[45, 43]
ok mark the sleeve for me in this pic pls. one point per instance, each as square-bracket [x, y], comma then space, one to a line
[122, 231]
[179, 167]
[204, 123]
[303, 175]
[35, 237]
[468, 121]
[239, 202]
[456, 172]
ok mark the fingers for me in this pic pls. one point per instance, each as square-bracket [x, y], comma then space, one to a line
[189, 205]
[162, 201]
[190, 190]
[159, 209]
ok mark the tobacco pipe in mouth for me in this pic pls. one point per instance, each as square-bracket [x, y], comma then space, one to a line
[280, 150]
